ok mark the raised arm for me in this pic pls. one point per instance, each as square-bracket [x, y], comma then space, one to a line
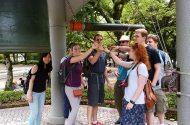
[93, 59]
[121, 48]
[83, 56]
[118, 60]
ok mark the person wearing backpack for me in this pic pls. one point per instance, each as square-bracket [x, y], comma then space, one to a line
[133, 106]
[96, 79]
[161, 103]
[37, 86]
[66, 104]
[140, 37]
[73, 80]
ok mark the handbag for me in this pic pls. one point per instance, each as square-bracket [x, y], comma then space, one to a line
[150, 97]
[78, 92]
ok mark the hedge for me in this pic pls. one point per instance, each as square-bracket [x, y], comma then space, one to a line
[12, 96]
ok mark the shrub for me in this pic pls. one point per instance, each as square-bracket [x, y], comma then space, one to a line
[1, 57]
[172, 99]
[2, 61]
[33, 56]
[10, 96]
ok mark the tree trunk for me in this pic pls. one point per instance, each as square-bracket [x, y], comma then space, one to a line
[9, 82]
[14, 58]
[25, 58]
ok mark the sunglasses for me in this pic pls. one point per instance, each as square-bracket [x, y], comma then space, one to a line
[136, 36]
[123, 41]
[98, 39]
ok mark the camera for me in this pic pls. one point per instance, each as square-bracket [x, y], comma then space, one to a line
[122, 84]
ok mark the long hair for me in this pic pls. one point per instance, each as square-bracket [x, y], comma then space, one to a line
[141, 54]
[41, 63]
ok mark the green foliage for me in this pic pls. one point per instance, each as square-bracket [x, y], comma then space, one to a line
[172, 100]
[13, 96]
[1, 57]
[32, 61]
[10, 96]
[33, 56]
[152, 13]
[48, 93]
[2, 61]
[147, 12]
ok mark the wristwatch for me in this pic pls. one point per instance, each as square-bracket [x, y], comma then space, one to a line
[132, 102]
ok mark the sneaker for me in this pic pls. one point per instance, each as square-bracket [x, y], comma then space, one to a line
[118, 121]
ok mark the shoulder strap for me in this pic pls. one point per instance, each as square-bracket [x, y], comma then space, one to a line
[72, 67]
[163, 57]
[30, 72]
[133, 66]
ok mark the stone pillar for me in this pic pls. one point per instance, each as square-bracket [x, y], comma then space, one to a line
[57, 31]
[183, 60]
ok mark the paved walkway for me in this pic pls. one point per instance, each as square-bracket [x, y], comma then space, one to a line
[19, 116]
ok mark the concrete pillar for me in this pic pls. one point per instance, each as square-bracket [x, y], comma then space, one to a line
[57, 31]
[183, 60]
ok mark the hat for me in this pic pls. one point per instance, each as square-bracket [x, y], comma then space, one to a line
[124, 38]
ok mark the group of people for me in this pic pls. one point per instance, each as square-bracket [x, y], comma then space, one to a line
[145, 51]
[137, 62]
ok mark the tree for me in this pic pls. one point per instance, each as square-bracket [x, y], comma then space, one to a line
[8, 63]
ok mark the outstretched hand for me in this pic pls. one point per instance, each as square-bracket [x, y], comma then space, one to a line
[100, 48]
[114, 47]
[106, 50]
[94, 46]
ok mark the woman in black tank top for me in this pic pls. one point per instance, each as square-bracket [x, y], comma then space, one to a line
[37, 86]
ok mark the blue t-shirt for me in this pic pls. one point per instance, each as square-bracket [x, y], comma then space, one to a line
[122, 72]
[100, 65]
[98, 69]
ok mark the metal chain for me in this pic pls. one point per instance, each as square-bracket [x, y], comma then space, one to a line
[72, 11]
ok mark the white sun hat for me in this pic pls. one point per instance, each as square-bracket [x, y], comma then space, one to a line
[124, 38]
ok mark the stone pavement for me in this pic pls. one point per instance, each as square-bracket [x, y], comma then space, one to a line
[19, 116]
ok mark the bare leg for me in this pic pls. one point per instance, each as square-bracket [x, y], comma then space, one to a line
[150, 118]
[94, 113]
[89, 114]
[161, 117]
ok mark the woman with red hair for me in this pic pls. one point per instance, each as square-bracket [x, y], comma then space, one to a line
[133, 105]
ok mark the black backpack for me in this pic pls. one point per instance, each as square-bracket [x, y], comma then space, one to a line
[63, 74]
[62, 71]
[26, 83]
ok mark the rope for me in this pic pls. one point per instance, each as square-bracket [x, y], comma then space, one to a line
[70, 7]
[159, 29]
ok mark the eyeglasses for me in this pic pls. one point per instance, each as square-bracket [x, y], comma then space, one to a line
[98, 39]
[136, 36]
[123, 41]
